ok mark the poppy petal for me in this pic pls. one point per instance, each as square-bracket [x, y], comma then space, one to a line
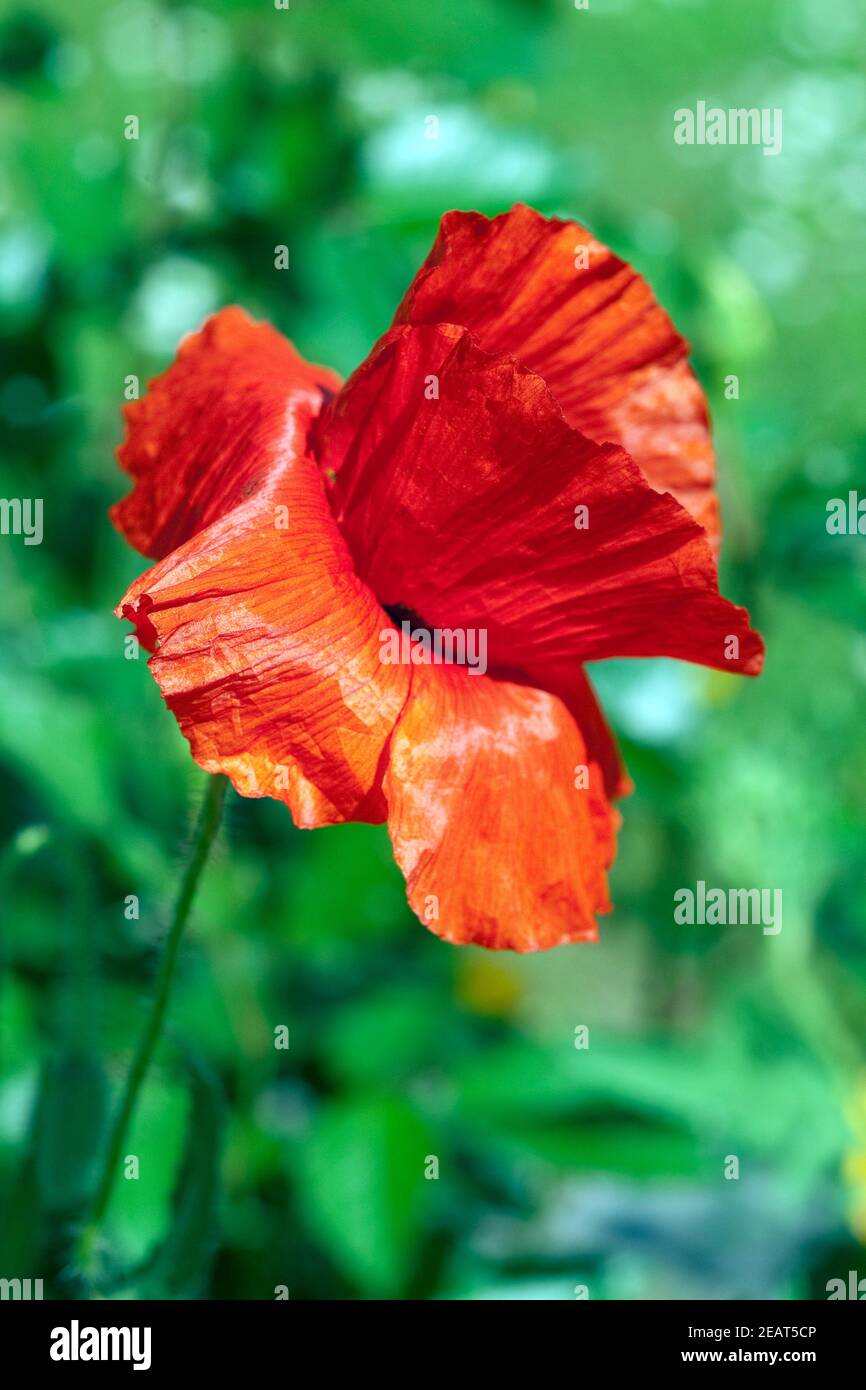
[565, 305]
[577, 694]
[499, 846]
[467, 499]
[188, 469]
[267, 645]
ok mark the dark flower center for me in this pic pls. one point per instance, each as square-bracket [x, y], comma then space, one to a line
[399, 613]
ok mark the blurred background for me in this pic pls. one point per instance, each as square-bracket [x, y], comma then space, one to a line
[303, 1169]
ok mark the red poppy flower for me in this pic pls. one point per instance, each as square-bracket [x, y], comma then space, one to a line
[524, 455]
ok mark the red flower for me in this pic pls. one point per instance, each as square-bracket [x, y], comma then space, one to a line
[525, 455]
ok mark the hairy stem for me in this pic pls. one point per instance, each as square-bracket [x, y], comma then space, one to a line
[208, 825]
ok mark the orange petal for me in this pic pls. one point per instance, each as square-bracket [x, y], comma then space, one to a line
[208, 430]
[266, 642]
[594, 331]
[458, 487]
[498, 846]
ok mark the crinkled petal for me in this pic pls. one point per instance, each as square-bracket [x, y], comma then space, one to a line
[468, 499]
[564, 304]
[266, 642]
[501, 841]
[208, 429]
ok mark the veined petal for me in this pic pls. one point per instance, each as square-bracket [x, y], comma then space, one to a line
[467, 498]
[267, 645]
[210, 427]
[498, 844]
[565, 305]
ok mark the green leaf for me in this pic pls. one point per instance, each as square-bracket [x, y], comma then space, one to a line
[380, 1040]
[606, 1147]
[362, 1188]
[21, 1221]
[70, 1122]
[346, 877]
[179, 1265]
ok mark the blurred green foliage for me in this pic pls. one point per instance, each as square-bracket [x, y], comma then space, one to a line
[305, 1168]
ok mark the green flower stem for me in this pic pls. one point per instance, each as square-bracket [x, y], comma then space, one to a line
[208, 825]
